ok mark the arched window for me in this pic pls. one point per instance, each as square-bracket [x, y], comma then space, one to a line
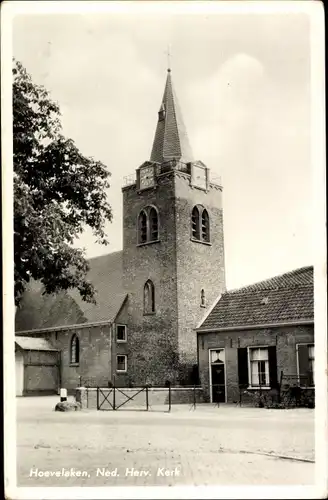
[75, 349]
[149, 297]
[200, 224]
[202, 298]
[142, 227]
[153, 222]
[148, 225]
[195, 223]
[205, 226]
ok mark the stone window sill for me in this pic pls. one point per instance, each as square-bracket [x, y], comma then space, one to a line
[147, 243]
[121, 341]
[208, 243]
[257, 388]
[74, 364]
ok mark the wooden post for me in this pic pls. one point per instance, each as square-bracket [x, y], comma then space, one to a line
[97, 398]
[169, 396]
[147, 404]
[114, 405]
[194, 394]
[280, 384]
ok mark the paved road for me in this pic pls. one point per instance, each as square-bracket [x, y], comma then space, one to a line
[226, 446]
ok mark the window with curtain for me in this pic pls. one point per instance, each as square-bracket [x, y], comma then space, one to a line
[75, 349]
[259, 365]
[149, 297]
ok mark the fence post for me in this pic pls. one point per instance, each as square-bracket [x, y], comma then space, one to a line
[97, 398]
[147, 404]
[280, 384]
[169, 396]
[194, 394]
[114, 408]
[80, 381]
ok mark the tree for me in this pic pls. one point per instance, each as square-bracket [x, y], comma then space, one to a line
[57, 193]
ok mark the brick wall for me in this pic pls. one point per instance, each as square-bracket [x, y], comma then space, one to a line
[284, 338]
[153, 338]
[95, 362]
[163, 346]
[199, 266]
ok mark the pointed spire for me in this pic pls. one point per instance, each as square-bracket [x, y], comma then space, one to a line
[170, 141]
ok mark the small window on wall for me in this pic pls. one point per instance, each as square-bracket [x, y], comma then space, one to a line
[121, 333]
[202, 298]
[149, 297]
[121, 363]
[75, 350]
[305, 362]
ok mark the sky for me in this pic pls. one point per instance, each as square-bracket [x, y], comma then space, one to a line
[244, 88]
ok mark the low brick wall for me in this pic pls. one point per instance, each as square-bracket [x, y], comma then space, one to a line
[157, 396]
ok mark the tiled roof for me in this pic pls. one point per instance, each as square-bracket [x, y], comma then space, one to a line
[106, 273]
[39, 311]
[33, 344]
[284, 298]
[171, 139]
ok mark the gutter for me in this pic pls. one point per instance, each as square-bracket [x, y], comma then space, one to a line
[255, 327]
[63, 327]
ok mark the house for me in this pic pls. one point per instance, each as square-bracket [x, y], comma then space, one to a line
[152, 294]
[257, 334]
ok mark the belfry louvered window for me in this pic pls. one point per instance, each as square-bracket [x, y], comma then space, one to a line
[195, 223]
[148, 225]
[149, 297]
[200, 224]
[205, 226]
[142, 223]
[153, 220]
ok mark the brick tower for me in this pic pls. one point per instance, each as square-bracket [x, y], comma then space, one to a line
[173, 252]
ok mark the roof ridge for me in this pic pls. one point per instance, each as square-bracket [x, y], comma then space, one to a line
[105, 255]
[272, 283]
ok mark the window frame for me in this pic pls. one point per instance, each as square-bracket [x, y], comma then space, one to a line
[308, 344]
[125, 363]
[267, 372]
[120, 341]
[75, 338]
[147, 210]
[199, 233]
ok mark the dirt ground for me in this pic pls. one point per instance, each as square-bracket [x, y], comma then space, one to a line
[206, 446]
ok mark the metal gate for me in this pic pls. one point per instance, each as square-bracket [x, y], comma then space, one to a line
[109, 397]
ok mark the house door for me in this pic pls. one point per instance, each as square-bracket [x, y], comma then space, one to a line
[217, 374]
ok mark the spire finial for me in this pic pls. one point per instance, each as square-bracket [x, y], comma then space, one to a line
[168, 53]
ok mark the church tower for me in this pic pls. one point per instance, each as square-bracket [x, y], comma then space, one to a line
[173, 252]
